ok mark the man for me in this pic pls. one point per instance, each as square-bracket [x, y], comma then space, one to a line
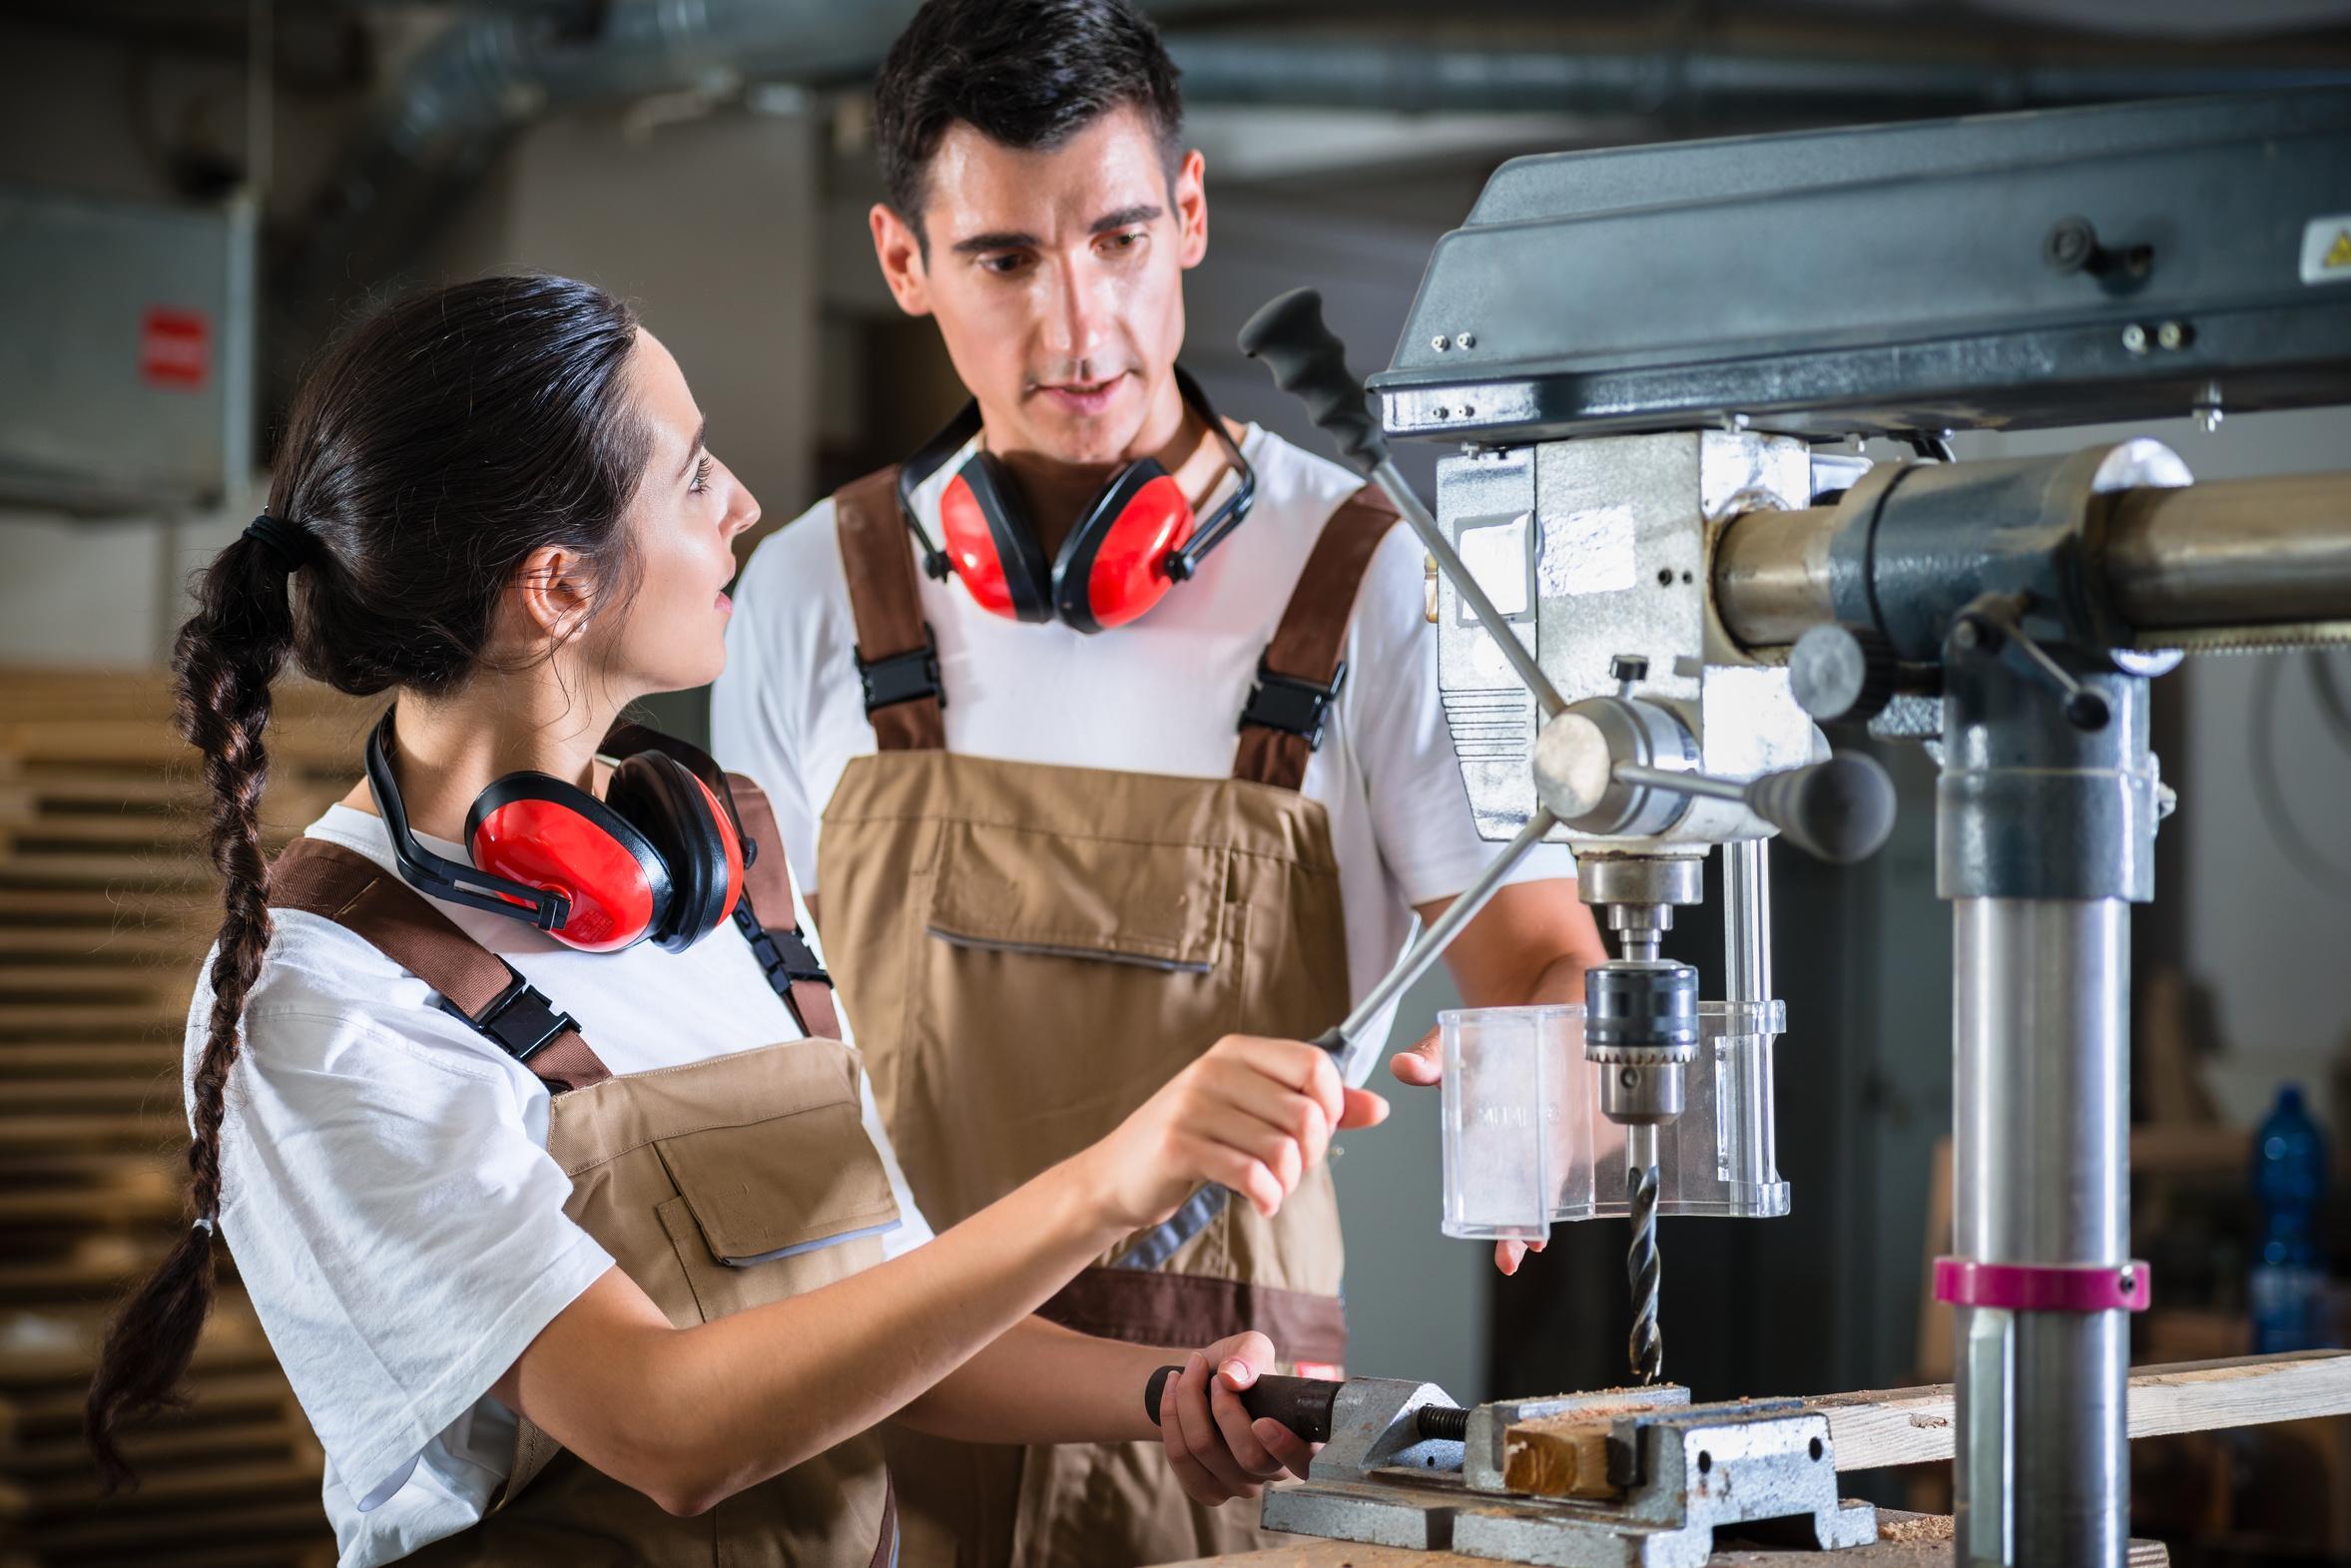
[1000, 733]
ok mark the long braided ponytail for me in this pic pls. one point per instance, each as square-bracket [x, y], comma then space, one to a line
[398, 515]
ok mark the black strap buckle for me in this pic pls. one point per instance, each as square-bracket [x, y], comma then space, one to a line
[784, 955]
[1291, 703]
[901, 678]
[520, 1020]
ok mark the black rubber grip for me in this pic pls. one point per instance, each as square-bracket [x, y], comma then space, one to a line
[1289, 336]
[1840, 810]
[1301, 1403]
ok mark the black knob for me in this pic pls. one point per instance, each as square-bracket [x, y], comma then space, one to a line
[1842, 674]
[2070, 244]
[1839, 810]
[1289, 336]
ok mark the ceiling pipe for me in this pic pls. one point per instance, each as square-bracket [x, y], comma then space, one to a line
[1681, 81]
[497, 69]
[493, 71]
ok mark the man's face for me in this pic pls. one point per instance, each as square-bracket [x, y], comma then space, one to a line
[1056, 279]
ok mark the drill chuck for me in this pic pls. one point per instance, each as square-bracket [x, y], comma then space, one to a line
[1641, 1027]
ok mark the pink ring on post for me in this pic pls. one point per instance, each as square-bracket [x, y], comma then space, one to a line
[2044, 1287]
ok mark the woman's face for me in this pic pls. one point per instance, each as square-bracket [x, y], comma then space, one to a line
[682, 524]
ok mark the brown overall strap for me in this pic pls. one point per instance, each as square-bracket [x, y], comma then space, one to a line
[1153, 1306]
[895, 658]
[776, 937]
[1301, 672]
[474, 983]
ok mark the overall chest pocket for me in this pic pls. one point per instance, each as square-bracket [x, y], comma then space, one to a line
[740, 1180]
[1056, 982]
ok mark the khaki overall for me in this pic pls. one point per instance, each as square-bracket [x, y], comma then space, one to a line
[1030, 952]
[718, 1186]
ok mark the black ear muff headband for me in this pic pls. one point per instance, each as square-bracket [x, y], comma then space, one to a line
[437, 875]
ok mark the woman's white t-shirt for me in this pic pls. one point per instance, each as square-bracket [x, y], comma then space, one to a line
[388, 1197]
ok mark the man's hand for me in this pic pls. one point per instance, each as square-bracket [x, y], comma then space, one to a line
[1217, 1451]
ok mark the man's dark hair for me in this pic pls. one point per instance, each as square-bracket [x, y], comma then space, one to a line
[1029, 73]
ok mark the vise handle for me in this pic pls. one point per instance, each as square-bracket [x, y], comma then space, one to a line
[1303, 1404]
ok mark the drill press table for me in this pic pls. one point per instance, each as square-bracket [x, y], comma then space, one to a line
[1908, 1540]
[1361, 1487]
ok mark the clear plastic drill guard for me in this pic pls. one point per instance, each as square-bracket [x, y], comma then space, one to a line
[1526, 1143]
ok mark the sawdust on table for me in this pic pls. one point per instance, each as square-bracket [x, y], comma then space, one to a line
[1918, 1529]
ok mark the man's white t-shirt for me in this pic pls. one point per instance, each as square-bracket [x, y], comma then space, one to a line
[1162, 695]
[388, 1197]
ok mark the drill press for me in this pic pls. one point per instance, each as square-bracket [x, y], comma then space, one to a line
[1657, 575]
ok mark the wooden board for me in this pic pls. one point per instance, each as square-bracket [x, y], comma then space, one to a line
[1914, 1425]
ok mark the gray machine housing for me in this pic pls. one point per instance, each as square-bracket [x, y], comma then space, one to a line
[2128, 261]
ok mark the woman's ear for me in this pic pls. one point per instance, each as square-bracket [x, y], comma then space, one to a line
[554, 590]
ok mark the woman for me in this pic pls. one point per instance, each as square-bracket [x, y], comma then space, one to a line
[548, 1288]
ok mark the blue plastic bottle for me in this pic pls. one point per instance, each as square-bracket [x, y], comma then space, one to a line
[2288, 1294]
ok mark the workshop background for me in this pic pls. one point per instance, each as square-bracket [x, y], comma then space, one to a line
[194, 193]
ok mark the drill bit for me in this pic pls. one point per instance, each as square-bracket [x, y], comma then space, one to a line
[1646, 1345]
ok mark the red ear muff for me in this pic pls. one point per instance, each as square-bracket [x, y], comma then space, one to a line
[1137, 538]
[692, 835]
[989, 545]
[1113, 564]
[542, 832]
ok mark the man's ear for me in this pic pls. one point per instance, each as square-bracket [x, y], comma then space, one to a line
[1191, 204]
[900, 251]
[553, 594]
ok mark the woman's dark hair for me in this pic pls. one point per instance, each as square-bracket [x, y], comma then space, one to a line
[1023, 73]
[445, 439]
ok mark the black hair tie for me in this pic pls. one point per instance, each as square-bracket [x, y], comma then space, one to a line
[293, 546]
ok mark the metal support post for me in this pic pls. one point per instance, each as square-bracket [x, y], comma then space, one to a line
[2046, 835]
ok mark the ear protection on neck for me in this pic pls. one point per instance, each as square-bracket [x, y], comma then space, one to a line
[1132, 542]
[660, 856]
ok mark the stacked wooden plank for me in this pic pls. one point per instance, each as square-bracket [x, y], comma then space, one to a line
[107, 904]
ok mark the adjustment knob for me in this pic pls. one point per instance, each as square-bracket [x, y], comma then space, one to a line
[1842, 674]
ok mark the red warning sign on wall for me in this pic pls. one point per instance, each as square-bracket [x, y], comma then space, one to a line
[174, 348]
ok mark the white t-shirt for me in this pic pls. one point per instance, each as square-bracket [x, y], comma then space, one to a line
[1162, 695]
[388, 1197]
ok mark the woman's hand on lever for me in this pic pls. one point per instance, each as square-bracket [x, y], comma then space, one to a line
[1217, 1451]
[1252, 1113]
